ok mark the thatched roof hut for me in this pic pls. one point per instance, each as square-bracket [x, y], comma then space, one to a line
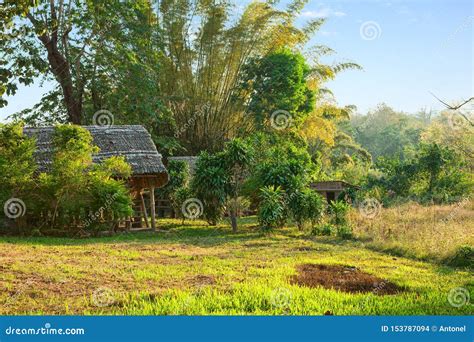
[133, 142]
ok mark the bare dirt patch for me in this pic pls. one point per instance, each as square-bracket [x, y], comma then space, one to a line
[202, 280]
[343, 278]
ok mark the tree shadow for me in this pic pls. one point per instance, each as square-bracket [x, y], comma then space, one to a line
[170, 231]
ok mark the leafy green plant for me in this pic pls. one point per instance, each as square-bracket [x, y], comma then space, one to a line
[17, 168]
[272, 207]
[211, 185]
[326, 229]
[306, 206]
[340, 218]
[219, 178]
[179, 176]
[339, 211]
[178, 197]
[463, 257]
[74, 192]
[344, 232]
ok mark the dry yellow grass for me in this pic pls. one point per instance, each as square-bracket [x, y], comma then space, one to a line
[429, 232]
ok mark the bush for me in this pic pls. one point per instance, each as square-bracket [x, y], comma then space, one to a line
[178, 171]
[340, 218]
[324, 230]
[272, 207]
[339, 211]
[344, 232]
[210, 184]
[306, 205]
[219, 178]
[178, 197]
[75, 192]
[17, 167]
[463, 257]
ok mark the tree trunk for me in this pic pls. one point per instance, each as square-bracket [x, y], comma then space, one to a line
[233, 219]
[61, 69]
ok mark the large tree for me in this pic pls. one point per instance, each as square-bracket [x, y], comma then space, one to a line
[84, 47]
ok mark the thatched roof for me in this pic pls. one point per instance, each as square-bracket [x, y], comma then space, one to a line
[133, 142]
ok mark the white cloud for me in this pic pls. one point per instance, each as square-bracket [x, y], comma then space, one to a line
[339, 14]
[322, 12]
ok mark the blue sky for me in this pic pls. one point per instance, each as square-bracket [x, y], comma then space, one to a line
[408, 48]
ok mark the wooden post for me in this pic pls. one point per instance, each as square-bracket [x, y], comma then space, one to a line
[152, 204]
[145, 214]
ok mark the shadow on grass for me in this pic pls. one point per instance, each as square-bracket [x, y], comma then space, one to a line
[169, 231]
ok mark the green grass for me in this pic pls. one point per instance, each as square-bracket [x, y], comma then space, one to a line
[197, 270]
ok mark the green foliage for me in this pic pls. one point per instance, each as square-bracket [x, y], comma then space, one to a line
[326, 229]
[17, 165]
[344, 232]
[76, 187]
[387, 133]
[340, 218]
[179, 176]
[211, 185]
[73, 189]
[436, 173]
[278, 82]
[178, 197]
[339, 211]
[280, 161]
[464, 257]
[272, 207]
[219, 177]
[17, 169]
[306, 205]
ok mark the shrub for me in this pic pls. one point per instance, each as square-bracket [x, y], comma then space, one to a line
[306, 205]
[325, 229]
[344, 232]
[339, 211]
[17, 167]
[178, 197]
[272, 207]
[219, 178]
[178, 171]
[340, 218]
[463, 257]
[75, 192]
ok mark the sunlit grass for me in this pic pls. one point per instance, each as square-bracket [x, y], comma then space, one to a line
[426, 232]
[199, 270]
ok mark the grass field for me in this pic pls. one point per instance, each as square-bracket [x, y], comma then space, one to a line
[196, 270]
[432, 233]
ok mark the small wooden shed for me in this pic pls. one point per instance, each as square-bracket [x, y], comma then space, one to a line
[131, 141]
[331, 190]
